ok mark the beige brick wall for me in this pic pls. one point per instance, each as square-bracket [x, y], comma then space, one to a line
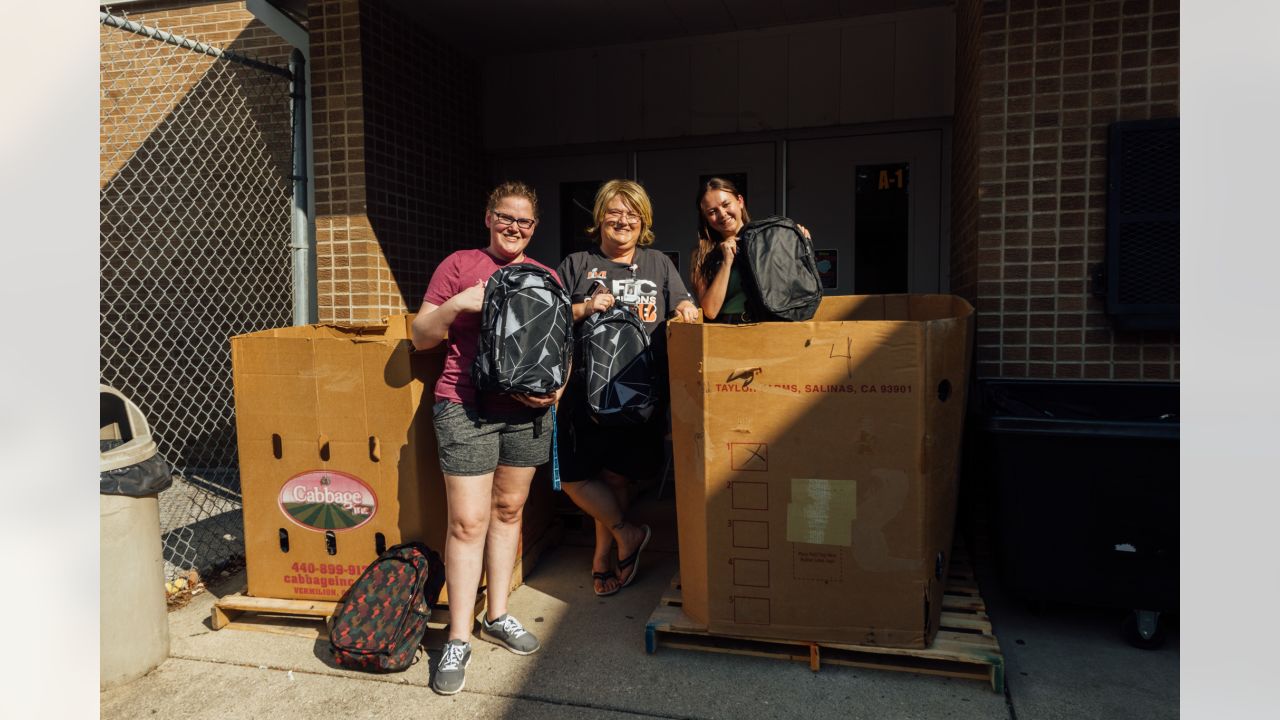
[133, 104]
[399, 165]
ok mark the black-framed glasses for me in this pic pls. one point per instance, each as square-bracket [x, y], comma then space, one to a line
[505, 220]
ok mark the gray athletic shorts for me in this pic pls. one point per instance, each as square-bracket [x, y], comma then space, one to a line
[471, 445]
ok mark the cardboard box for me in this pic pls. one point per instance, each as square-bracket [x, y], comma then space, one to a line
[816, 468]
[338, 454]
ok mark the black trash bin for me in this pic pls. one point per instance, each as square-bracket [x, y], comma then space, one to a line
[1085, 480]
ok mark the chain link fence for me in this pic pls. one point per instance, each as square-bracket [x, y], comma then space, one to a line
[196, 192]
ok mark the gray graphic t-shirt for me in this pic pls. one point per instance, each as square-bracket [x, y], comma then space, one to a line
[653, 288]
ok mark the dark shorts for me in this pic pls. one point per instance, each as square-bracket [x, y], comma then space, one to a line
[636, 452]
[474, 445]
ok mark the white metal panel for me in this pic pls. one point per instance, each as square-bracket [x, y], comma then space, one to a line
[757, 14]
[866, 73]
[702, 17]
[518, 101]
[848, 71]
[813, 76]
[714, 87]
[578, 94]
[924, 64]
[619, 116]
[666, 90]
[762, 69]
[817, 10]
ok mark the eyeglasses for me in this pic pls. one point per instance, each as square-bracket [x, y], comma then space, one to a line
[505, 220]
[619, 216]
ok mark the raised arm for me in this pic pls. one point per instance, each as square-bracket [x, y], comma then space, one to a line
[432, 322]
[711, 296]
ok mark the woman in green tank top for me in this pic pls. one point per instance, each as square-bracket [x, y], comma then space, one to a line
[717, 281]
[716, 276]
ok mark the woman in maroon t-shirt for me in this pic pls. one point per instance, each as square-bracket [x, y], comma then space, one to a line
[488, 458]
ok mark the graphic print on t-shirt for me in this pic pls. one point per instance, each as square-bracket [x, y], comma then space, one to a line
[638, 293]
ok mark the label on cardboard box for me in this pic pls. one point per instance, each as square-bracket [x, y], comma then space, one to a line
[821, 512]
[328, 500]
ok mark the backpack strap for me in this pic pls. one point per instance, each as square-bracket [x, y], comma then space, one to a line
[555, 453]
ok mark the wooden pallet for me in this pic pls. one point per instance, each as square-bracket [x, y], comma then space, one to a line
[310, 618]
[965, 646]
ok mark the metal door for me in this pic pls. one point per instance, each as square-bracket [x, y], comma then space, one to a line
[874, 206]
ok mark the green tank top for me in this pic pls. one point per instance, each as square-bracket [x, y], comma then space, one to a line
[735, 301]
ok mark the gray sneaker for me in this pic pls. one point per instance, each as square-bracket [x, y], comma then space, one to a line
[508, 632]
[451, 672]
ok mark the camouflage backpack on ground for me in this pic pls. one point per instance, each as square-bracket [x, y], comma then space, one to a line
[380, 623]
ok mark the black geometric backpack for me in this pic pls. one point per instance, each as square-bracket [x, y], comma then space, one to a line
[618, 366]
[526, 332]
[781, 278]
[382, 618]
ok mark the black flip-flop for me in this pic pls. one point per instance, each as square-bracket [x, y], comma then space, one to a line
[602, 577]
[634, 558]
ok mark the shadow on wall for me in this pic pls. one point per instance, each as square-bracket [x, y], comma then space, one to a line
[195, 230]
[424, 160]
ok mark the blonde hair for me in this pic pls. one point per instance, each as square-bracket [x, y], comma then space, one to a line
[635, 197]
[512, 188]
[706, 256]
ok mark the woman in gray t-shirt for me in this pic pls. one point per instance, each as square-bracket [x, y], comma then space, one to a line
[598, 462]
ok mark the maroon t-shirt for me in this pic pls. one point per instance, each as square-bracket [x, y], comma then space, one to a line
[458, 272]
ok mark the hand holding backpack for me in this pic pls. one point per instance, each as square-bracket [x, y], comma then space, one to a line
[781, 274]
[619, 368]
[526, 332]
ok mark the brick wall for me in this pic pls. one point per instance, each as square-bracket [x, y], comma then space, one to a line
[128, 118]
[426, 182]
[1052, 75]
[399, 169]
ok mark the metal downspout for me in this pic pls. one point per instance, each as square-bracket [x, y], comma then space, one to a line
[300, 243]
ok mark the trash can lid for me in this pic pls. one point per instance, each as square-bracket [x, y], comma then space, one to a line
[121, 420]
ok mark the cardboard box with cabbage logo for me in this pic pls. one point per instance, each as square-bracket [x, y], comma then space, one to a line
[816, 468]
[338, 456]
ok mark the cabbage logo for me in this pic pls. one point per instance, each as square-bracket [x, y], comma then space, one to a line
[328, 500]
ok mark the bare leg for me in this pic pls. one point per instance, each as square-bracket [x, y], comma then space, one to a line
[470, 500]
[510, 490]
[602, 559]
[599, 500]
[618, 484]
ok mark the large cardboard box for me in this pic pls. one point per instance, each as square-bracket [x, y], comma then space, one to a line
[816, 468]
[338, 454]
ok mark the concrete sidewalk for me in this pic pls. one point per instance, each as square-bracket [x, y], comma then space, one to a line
[1059, 664]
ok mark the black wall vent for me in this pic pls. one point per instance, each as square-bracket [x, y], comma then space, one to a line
[1141, 273]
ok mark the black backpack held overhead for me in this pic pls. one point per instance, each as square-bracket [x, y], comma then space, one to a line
[526, 329]
[619, 369]
[781, 278]
[382, 618]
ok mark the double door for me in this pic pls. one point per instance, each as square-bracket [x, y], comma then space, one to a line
[874, 203]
